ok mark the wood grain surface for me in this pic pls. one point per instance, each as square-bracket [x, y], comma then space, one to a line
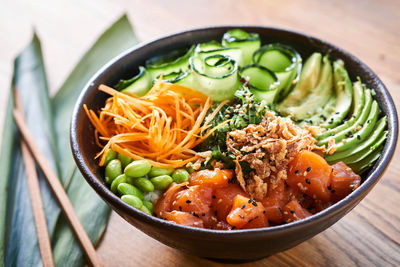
[368, 236]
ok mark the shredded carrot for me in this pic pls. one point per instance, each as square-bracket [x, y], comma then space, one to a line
[163, 126]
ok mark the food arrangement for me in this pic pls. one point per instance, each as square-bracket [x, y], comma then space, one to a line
[237, 135]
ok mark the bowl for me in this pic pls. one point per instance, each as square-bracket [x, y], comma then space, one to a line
[238, 245]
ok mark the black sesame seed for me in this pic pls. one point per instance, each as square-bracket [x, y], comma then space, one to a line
[309, 169]
[214, 197]
[250, 200]
[250, 220]
[188, 201]
[252, 115]
[233, 227]
[243, 206]
[358, 137]
[195, 214]
[333, 191]
[203, 214]
[329, 187]
[254, 204]
[180, 208]
[215, 213]
[264, 211]
[279, 209]
[292, 211]
[308, 181]
[297, 171]
[337, 112]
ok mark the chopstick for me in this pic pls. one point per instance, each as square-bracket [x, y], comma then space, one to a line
[57, 188]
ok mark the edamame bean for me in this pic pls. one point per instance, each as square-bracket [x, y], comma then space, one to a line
[125, 160]
[133, 201]
[146, 210]
[113, 170]
[117, 181]
[161, 182]
[180, 176]
[143, 184]
[156, 171]
[128, 189]
[111, 154]
[138, 168]
[148, 205]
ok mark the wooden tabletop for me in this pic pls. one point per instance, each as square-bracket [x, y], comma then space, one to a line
[369, 235]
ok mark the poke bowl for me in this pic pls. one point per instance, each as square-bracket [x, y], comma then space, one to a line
[233, 240]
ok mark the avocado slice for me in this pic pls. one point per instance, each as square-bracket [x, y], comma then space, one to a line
[356, 110]
[338, 136]
[321, 114]
[357, 137]
[367, 151]
[365, 145]
[308, 80]
[367, 162]
[318, 96]
[344, 91]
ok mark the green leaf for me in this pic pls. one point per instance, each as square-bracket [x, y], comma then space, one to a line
[20, 234]
[91, 209]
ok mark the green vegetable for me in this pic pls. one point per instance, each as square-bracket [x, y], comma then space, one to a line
[133, 201]
[138, 168]
[247, 42]
[286, 64]
[149, 206]
[120, 179]
[216, 76]
[180, 176]
[111, 154]
[125, 160]
[113, 170]
[128, 189]
[161, 182]
[138, 85]
[143, 184]
[145, 210]
[157, 171]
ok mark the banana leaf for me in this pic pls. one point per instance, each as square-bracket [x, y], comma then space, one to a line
[92, 211]
[19, 246]
[20, 234]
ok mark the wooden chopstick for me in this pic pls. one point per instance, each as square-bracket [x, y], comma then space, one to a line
[57, 189]
[36, 200]
[37, 207]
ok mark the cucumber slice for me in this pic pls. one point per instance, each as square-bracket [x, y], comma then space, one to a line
[248, 43]
[284, 61]
[216, 76]
[176, 61]
[364, 145]
[343, 91]
[338, 136]
[261, 81]
[355, 113]
[233, 53]
[205, 47]
[138, 85]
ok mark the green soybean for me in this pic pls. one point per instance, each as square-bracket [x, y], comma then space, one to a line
[125, 160]
[138, 168]
[148, 205]
[113, 170]
[128, 189]
[145, 210]
[180, 176]
[133, 201]
[156, 171]
[117, 181]
[161, 182]
[143, 184]
[111, 154]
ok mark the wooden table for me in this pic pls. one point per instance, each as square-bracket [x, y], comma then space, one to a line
[369, 235]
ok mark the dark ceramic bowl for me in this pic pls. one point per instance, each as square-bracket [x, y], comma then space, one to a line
[240, 245]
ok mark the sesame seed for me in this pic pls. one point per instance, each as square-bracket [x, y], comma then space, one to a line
[180, 208]
[333, 191]
[292, 211]
[309, 169]
[243, 206]
[329, 187]
[297, 171]
[250, 200]
[254, 203]
[358, 137]
[213, 197]
[188, 201]
[308, 181]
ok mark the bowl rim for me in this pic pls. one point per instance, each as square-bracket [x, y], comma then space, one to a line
[373, 177]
